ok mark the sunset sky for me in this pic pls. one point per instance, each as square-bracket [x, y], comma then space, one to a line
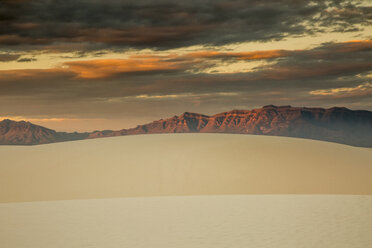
[108, 64]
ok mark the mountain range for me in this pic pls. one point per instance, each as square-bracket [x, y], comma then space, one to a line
[338, 124]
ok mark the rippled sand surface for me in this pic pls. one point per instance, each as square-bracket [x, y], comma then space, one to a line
[280, 221]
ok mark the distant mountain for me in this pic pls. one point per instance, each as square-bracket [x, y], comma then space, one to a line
[339, 125]
[26, 133]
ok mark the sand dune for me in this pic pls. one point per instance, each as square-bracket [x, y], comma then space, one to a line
[179, 167]
[182, 164]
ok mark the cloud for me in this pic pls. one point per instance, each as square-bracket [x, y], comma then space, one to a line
[330, 59]
[163, 85]
[26, 60]
[33, 74]
[163, 24]
[255, 55]
[332, 50]
[142, 64]
[6, 57]
[327, 60]
[312, 70]
[103, 68]
[180, 96]
[359, 90]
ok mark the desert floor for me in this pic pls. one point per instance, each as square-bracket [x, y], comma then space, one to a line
[237, 221]
[186, 190]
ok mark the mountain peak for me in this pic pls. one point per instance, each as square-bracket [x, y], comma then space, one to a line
[191, 115]
[7, 121]
[339, 109]
[24, 133]
[186, 114]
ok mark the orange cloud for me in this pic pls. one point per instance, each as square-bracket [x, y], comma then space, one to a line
[102, 68]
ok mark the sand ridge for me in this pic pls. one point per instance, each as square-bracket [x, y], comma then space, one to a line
[182, 164]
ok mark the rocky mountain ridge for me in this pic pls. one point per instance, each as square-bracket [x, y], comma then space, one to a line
[341, 125]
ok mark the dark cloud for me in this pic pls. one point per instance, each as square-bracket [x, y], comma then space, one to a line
[329, 60]
[112, 24]
[5, 57]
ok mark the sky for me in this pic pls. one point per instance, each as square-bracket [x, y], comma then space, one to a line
[84, 65]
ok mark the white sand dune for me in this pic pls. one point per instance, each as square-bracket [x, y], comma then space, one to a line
[265, 221]
[207, 167]
[182, 164]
